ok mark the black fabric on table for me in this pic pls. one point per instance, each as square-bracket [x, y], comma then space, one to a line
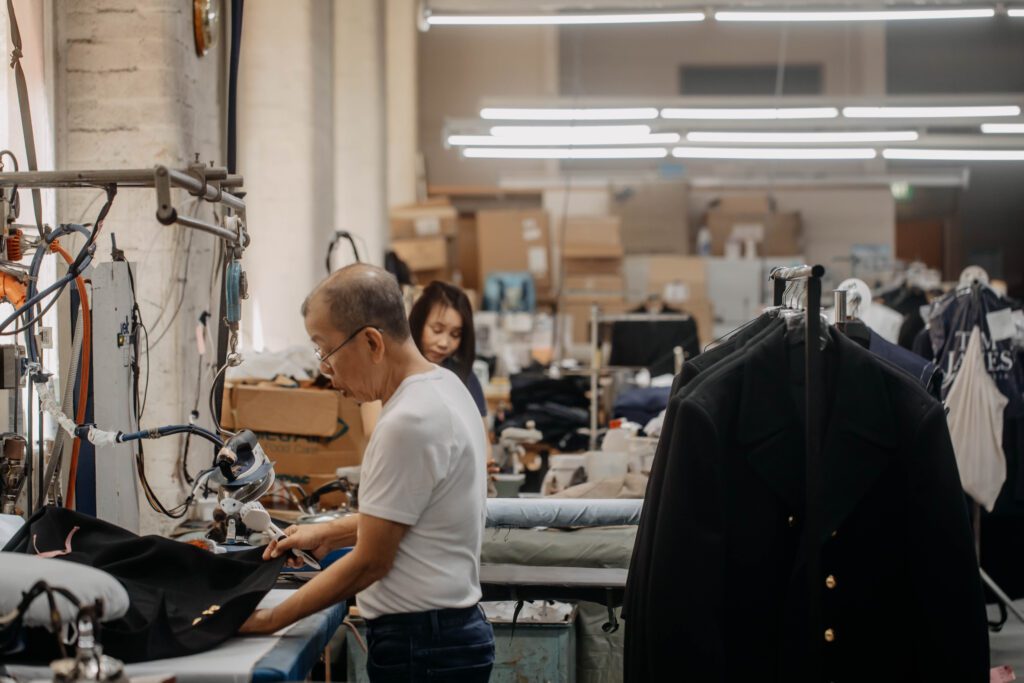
[170, 585]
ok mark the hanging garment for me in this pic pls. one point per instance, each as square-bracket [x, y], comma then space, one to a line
[717, 590]
[694, 373]
[184, 600]
[917, 367]
[976, 426]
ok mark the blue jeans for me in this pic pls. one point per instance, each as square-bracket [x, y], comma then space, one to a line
[440, 645]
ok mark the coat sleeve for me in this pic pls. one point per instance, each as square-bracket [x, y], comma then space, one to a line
[687, 577]
[951, 624]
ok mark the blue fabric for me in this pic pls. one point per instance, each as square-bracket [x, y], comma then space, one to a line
[915, 365]
[439, 645]
[641, 405]
[295, 654]
[499, 288]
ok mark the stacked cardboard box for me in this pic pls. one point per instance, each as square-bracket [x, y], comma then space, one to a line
[309, 433]
[514, 240]
[753, 218]
[423, 236]
[679, 281]
[592, 259]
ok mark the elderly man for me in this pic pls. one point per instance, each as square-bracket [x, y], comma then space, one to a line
[416, 561]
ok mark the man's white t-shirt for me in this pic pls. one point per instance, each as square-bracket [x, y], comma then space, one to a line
[425, 466]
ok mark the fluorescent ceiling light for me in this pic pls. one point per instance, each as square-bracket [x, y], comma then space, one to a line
[540, 141]
[560, 131]
[1015, 12]
[562, 19]
[860, 136]
[854, 15]
[954, 154]
[565, 153]
[996, 128]
[555, 114]
[824, 153]
[929, 112]
[750, 113]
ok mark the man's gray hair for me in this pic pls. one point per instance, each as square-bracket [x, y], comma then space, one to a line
[359, 295]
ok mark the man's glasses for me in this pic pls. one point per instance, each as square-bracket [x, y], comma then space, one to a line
[322, 357]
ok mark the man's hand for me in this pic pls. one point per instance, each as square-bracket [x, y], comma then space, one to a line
[313, 537]
[260, 622]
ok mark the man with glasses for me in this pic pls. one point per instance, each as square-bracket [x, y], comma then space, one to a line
[416, 561]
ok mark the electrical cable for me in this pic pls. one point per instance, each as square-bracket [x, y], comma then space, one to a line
[213, 393]
[86, 362]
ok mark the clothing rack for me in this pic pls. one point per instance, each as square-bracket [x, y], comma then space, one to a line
[596, 318]
[814, 397]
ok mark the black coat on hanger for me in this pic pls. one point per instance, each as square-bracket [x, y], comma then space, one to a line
[184, 599]
[726, 593]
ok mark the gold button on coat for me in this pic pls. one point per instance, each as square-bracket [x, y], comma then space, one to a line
[791, 520]
[830, 582]
[830, 635]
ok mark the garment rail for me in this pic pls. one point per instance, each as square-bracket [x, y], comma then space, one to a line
[814, 396]
[596, 361]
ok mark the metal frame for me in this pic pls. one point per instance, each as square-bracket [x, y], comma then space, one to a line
[814, 394]
[205, 182]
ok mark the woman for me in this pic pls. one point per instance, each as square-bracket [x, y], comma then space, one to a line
[441, 322]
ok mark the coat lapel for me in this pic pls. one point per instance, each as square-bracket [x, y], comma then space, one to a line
[858, 436]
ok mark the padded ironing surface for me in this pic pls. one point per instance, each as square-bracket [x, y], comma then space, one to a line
[20, 572]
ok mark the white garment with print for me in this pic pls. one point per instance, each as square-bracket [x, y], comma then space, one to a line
[976, 426]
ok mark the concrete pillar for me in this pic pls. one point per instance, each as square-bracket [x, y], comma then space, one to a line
[360, 192]
[285, 152]
[130, 93]
[403, 147]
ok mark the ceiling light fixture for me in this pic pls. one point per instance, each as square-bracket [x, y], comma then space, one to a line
[557, 131]
[563, 140]
[913, 154]
[771, 113]
[595, 18]
[1015, 12]
[855, 15]
[561, 114]
[565, 153]
[779, 153]
[826, 138]
[930, 112]
[997, 128]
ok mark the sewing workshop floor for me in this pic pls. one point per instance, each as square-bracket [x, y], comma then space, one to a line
[1007, 646]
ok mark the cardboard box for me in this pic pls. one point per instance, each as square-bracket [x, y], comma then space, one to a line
[467, 257]
[592, 237]
[307, 433]
[702, 311]
[431, 219]
[422, 253]
[655, 217]
[776, 234]
[594, 283]
[515, 240]
[745, 203]
[593, 266]
[681, 277]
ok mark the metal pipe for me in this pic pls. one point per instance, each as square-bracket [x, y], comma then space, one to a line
[595, 369]
[141, 177]
[210, 228]
[193, 184]
[839, 298]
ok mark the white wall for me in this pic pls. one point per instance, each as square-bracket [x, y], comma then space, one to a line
[131, 93]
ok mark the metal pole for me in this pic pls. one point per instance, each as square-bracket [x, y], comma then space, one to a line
[814, 398]
[839, 299]
[595, 371]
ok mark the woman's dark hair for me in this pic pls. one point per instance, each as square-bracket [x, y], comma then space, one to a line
[446, 296]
